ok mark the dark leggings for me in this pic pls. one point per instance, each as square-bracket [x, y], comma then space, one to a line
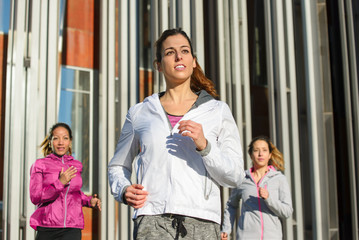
[58, 233]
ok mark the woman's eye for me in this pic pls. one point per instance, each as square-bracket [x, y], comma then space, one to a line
[185, 51]
[169, 53]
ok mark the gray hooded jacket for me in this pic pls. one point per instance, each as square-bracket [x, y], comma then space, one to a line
[260, 219]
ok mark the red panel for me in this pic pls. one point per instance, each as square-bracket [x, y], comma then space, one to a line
[79, 40]
[146, 84]
[3, 49]
[3, 56]
[80, 14]
[87, 231]
[79, 48]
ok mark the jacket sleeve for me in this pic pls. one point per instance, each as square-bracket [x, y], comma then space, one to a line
[224, 161]
[282, 207]
[120, 166]
[230, 211]
[38, 193]
[85, 200]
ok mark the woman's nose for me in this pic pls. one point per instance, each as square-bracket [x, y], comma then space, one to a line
[178, 56]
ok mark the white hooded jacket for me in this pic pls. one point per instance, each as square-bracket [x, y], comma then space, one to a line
[179, 179]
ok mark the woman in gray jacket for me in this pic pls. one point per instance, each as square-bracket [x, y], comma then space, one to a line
[265, 196]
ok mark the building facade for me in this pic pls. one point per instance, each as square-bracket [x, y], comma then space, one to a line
[288, 69]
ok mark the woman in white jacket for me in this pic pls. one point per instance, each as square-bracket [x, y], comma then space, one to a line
[184, 144]
[265, 196]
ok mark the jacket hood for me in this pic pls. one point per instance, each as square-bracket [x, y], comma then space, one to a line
[203, 97]
[271, 172]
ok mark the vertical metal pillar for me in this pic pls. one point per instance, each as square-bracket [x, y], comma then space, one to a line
[293, 111]
[312, 75]
[350, 79]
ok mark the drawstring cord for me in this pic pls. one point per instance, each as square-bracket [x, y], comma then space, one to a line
[177, 224]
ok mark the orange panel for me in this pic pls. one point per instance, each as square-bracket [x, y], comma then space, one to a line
[146, 84]
[80, 14]
[79, 50]
[3, 49]
[87, 231]
[79, 42]
[3, 56]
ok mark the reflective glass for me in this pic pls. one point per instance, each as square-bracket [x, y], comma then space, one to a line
[5, 6]
[74, 109]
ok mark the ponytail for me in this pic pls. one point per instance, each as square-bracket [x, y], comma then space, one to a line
[199, 81]
[46, 147]
[277, 158]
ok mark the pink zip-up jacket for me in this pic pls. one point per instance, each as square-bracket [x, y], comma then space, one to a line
[260, 219]
[57, 205]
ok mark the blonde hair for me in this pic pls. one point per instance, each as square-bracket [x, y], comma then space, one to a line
[46, 145]
[276, 159]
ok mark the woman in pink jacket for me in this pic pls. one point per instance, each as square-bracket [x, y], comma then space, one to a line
[55, 189]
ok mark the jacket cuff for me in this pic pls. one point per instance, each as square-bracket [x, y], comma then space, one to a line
[205, 151]
[58, 185]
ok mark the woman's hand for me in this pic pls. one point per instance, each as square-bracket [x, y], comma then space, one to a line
[135, 196]
[224, 236]
[95, 202]
[65, 177]
[263, 193]
[193, 130]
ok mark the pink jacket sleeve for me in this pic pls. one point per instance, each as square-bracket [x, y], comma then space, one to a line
[40, 194]
[86, 200]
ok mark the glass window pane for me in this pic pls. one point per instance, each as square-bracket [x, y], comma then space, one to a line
[74, 109]
[5, 8]
[79, 82]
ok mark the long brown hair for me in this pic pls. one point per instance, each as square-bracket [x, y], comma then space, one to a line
[199, 81]
[276, 159]
[46, 145]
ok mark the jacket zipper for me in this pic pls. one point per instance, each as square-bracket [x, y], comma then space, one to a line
[259, 204]
[65, 197]
[206, 196]
[260, 211]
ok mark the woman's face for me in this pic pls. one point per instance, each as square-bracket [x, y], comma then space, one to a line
[177, 61]
[60, 141]
[260, 155]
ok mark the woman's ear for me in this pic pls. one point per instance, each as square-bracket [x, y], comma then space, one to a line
[158, 66]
